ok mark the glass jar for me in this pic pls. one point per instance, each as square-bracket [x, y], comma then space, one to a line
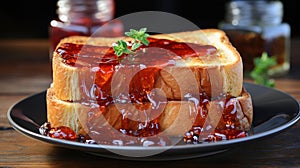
[84, 17]
[254, 27]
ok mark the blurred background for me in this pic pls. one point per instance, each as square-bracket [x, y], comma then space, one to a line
[30, 19]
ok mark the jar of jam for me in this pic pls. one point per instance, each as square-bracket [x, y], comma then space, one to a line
[254, 27]
[85, 18]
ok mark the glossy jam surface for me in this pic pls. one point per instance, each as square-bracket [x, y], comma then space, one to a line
[150, 133]
[61, 132]
[147, 104]
[160, 52]
[227, 127]
[144, 65]
[107, 136]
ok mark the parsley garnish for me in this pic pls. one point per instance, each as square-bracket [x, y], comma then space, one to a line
[139, 38]
[260, 71]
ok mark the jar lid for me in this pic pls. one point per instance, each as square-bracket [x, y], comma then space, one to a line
[254, 12]
[95, 10]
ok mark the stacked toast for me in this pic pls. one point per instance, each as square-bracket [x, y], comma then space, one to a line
[180, 81]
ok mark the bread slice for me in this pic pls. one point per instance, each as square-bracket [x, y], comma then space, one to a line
[79, 88]
[176, 118]
[213, 74]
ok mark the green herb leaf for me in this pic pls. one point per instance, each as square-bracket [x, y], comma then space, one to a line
[260, 71]
[135, 46]
[139, 38]
[121, 48]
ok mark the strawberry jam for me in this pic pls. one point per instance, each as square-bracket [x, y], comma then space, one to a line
[61, 132]
[227, 127]
[162, 52]
[139, 70]
[127, 84]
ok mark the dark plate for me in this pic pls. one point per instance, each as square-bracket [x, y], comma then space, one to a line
[274, 111]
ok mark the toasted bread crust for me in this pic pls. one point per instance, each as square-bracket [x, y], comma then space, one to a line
[222, 75]
[175, 119]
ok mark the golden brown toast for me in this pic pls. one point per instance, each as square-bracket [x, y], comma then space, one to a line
[222, 73]
[175, 119]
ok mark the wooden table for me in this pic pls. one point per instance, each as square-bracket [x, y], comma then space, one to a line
[25, 70]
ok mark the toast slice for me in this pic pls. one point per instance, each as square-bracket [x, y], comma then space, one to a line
[176, 118]
[214, 74]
